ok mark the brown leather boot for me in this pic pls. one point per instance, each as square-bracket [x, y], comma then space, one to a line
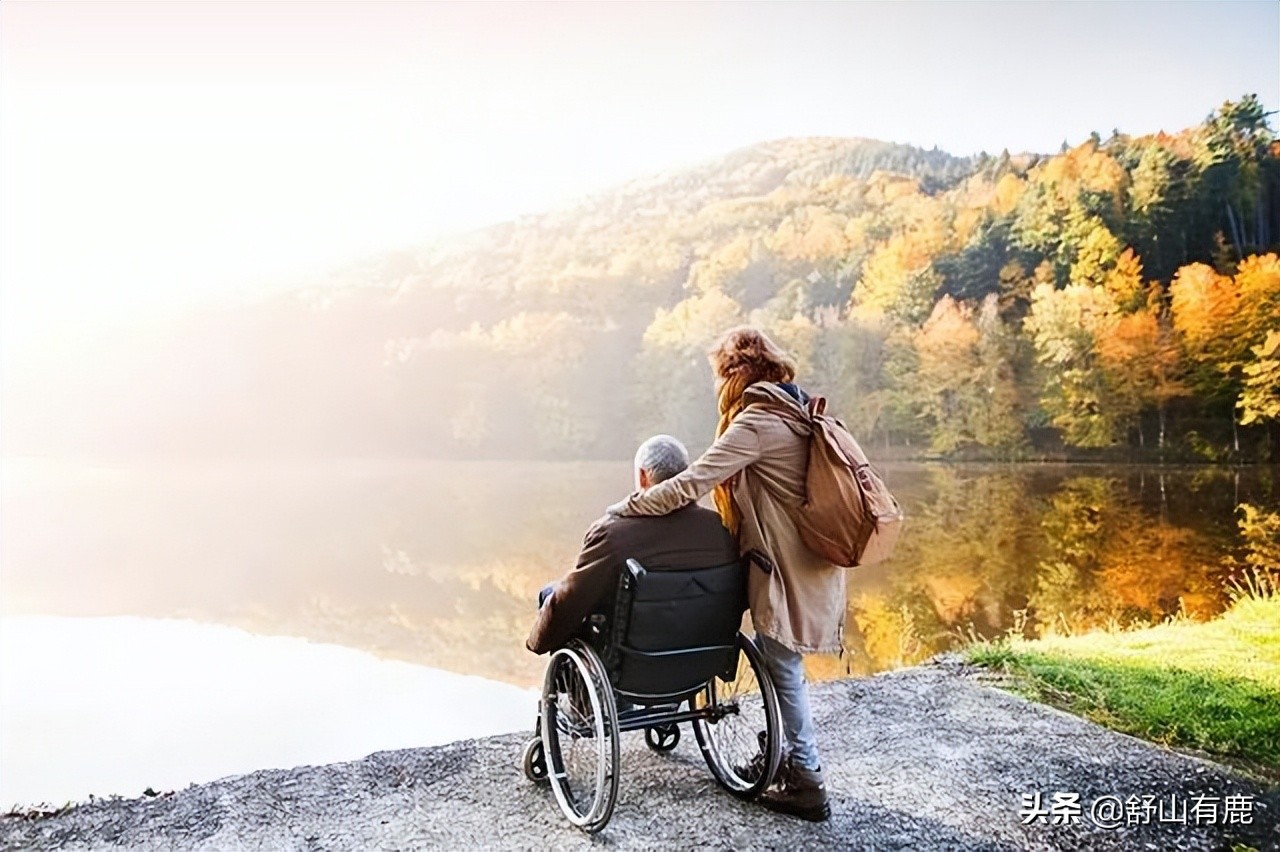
[800, 793]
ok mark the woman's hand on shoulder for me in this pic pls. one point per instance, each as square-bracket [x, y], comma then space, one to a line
[619, 509]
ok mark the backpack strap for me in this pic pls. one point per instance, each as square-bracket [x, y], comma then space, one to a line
[803, 417]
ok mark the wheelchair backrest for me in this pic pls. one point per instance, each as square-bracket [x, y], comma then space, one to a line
[675, 630]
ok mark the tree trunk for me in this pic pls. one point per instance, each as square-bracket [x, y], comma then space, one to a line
[1162, 425]
[1257, 223]
[1235, 232]
[1235, 433]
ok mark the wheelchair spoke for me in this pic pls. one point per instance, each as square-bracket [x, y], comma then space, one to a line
[740, 739]
[577, 734]
[580, 737]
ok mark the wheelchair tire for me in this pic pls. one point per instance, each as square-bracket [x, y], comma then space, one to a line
[662, 738]
[534, 761]
[580, 736]
[742, 747]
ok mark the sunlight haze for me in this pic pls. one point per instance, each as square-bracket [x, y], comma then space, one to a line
[158, 156]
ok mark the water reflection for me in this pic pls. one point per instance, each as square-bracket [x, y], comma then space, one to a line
[1039, 549]
[437, 563]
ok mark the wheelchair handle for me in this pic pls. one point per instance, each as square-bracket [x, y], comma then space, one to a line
[635, 569]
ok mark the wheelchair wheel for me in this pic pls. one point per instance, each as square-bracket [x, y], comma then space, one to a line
[534, 761]
[742, 740]
[662, 738]
[580, 736]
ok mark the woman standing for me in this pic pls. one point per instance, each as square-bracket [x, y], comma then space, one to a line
[757, 468]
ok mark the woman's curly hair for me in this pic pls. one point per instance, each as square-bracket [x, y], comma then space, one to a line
[747, 353]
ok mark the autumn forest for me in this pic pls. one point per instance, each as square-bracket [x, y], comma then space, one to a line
[1118, 299]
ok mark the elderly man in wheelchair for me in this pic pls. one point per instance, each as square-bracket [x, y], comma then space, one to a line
[644, 634]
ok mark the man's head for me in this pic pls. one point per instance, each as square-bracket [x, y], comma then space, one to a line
[659, 458]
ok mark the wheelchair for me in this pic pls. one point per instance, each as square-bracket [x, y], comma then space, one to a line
[671, 654]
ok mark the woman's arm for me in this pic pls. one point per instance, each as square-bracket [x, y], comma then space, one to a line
[738, 447]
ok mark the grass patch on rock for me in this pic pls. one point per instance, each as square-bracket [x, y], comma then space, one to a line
[1212, 686]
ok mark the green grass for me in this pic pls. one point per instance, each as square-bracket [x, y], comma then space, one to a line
[1212, 686]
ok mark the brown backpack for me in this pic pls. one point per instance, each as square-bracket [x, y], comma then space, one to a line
[848, 515]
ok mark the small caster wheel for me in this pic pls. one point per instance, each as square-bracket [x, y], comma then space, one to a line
[535, 761]
[662, 738]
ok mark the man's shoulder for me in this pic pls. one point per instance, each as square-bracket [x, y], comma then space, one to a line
[600, 527]
[625, 528]
[701, 515]
[708, 526]
[689, 537]
[690, 514]
[691, 523]
[690, 520]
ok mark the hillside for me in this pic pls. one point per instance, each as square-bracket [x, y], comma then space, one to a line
[1102, 297]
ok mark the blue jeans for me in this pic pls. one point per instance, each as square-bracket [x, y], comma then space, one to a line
[787, 669]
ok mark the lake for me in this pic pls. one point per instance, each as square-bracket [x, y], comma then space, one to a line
[96, 706]
[437, 564]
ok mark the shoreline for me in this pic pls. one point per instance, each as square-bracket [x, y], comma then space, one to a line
[926, 757]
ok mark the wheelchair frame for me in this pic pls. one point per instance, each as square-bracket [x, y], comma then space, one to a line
[579, 704]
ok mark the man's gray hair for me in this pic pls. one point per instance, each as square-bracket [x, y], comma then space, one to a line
[662, 456]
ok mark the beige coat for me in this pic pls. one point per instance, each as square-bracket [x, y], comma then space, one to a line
[796, 596]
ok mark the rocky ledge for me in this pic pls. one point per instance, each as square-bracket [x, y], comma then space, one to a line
[923, 758]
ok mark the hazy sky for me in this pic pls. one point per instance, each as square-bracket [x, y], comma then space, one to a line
[163, 154]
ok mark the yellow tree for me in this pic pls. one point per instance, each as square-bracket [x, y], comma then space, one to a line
[812, 234]
[713, 271]
[1124, 281]
[1225, 324]
[1203, 304]
[945, 386]
[1140, 361]
[1065, 326]
[898, 280]
[1260, 398]
[674, 390]
[1069, 198]
[1258, 283]
[1258, 328]
[1008, 190]
[1096, 253]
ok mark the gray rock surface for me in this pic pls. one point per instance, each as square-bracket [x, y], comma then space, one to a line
[924, 758]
